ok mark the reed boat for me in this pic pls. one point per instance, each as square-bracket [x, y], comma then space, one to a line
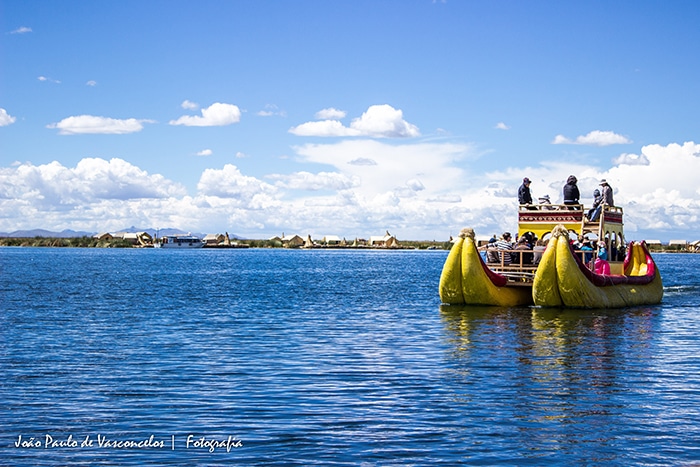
[466, 279]
[562, 277]
[564, 280]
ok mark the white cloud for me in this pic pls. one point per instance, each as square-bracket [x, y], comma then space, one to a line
[502, 126]
[56, 187]
[417, 191]
[21, 30]
[90, 124]
[594, 138]
[205, 152]
[48, 80]
[383, 121]
[189, 105]
[229, 182]
[271, 110]
[383, 167]
[91, 83]
[315, 182]
[330, 114]
[631, 159]
[217, 114]
[379, 121]
[5, 118]
[323, 128]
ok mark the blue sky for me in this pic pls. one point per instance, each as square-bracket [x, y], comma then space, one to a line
[345, 118]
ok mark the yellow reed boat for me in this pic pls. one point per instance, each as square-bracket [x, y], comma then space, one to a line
[560, 278]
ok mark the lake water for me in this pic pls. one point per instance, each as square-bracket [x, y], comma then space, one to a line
[330, 358]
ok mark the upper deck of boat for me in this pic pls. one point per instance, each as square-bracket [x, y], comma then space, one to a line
[540, 219]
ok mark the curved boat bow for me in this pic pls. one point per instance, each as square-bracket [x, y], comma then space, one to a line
[466, 279]
[563, 280]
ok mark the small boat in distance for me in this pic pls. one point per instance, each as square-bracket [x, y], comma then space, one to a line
[179, 241]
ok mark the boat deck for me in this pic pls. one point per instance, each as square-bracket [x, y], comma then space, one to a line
[540, 220]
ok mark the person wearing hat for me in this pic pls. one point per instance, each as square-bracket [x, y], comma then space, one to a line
[607, 193]
[546, 201]
[524, 195]
[606, 199]
[601, 264]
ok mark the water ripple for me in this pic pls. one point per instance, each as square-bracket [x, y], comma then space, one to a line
[332, 358]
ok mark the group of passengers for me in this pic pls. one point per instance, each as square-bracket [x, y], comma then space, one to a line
[527, 250]
[505, 251]
[571, 196]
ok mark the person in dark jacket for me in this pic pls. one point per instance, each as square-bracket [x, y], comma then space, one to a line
[524, 195]
[571, 194]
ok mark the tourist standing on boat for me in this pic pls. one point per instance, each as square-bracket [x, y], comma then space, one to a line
[571, 193]
[524, 195]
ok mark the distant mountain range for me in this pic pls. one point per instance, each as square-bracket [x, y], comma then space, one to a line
[73, 233]
[45, 233]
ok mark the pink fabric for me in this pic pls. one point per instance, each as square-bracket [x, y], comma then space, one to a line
[602, 267]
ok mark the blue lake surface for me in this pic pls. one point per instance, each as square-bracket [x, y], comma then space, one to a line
[330, 358]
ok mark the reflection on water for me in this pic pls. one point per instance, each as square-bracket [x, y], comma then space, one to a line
[557, 375]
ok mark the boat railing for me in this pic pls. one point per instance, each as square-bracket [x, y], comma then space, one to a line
[551, 207]
[522, 267]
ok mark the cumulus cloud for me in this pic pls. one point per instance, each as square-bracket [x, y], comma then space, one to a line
[502, 126]
[383, 169]
[323, 128]
[55, 186]
[379, 121]
[662, 194]
[90, 124]
[205, 152]
[631, 159]
[217, 114]
[594, 138]
[383, 121]
[417, 191]
[229, 182]
[330, 114]
[91, 83]
[5, 118]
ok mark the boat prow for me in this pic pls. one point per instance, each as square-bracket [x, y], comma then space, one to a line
[466, 279]
[563, 280]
